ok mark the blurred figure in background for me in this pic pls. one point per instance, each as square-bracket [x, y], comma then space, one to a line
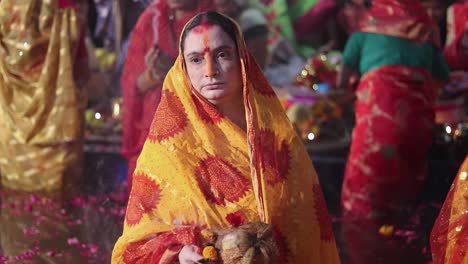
[253, 25]
[396, 51]
[395, 48]
[437, 10]
[152, 50]
[456, 47]
[315, 25]
[308, 25]
[43, 64]
[43, 67]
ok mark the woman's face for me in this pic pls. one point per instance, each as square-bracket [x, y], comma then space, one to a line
[213, 64]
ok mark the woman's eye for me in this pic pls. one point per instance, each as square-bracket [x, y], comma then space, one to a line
[223, 55]
[195, 60]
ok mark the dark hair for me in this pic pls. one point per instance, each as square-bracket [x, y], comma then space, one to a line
[367, 3]
[212, 18]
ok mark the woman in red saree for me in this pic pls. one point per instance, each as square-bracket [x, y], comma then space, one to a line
[456, 47]
[396, 53]
[146, 66]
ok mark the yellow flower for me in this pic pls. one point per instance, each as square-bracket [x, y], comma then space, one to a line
[386, 230]
[210, 252]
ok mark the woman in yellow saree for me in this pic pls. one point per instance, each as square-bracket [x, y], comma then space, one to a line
[449, 237]
[221, 153]
[41, 104]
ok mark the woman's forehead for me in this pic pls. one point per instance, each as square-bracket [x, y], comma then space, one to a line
[206, 36]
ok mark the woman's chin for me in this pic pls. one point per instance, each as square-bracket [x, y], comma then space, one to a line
[214, 96]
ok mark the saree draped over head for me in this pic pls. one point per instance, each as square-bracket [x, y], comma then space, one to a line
[154, 27]
[199, 170]
[456, 47]
[387, 163]
[41, 107]
[406, 19]
[449, 237]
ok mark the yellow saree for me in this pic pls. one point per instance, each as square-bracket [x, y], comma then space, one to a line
[199, 170]
[449, 237]
[41, 107]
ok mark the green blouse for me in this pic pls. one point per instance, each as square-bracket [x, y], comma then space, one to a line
[366, 51]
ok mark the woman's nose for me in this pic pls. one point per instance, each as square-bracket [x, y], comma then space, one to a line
[210, 70]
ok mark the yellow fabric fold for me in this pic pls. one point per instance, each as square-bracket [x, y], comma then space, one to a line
[41, 109]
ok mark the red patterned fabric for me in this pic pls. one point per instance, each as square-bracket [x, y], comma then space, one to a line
[275, 160]
[206, 111]
[456, 48]
[161, 248]
[387, 161]
[138, 110]
[220, 181]
[282, 244]
[322, 214]
[171, 117]
[143, 199]
[400, 18]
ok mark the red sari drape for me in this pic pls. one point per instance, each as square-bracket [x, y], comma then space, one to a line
[387, 161]
[153, 26]
[394, 116]
[456, 51]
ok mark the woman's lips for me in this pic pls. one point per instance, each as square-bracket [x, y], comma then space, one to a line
[212, 86]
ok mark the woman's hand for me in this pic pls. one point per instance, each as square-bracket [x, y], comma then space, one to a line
[282, 52]
[189, 255]
[157, 65]
[157, 61]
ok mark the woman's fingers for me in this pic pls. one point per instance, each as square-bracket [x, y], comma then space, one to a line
[189, 255]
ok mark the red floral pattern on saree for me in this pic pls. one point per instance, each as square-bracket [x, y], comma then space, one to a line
[170, 116]
[386, 153]
[321, 212]
[144, 197]
[207, 112]
[220, 181]
[273, 157]
[282, 244]
[160, 246]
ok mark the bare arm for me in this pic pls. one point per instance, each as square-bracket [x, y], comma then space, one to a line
[147, 80]
[344, 76]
